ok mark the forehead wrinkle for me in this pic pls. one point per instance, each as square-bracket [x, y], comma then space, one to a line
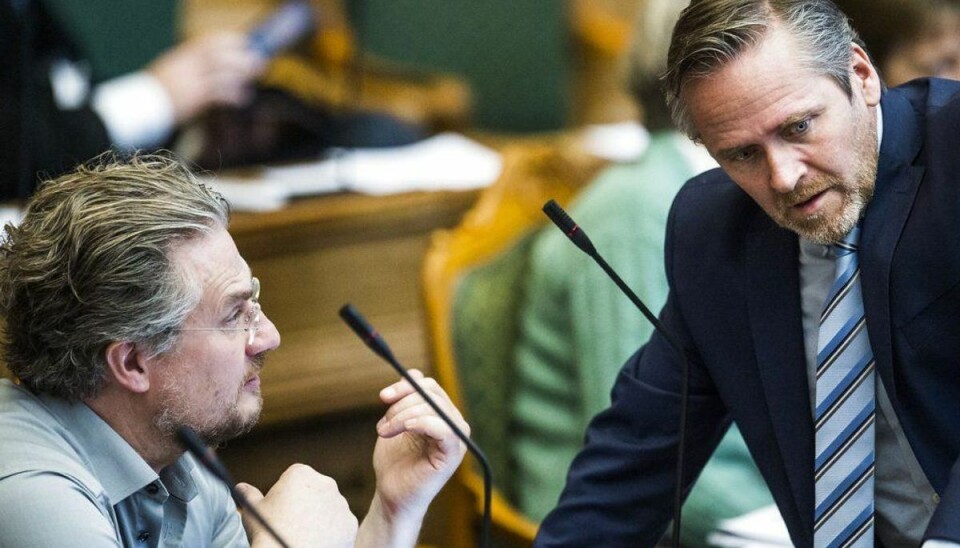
[238, 294]
[761, 84]
[747, 118]
[224, 281]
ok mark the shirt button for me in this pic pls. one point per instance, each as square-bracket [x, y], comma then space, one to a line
[153, 489]
[936, 498]
[144, 535]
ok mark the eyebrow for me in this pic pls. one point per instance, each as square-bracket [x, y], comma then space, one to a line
[240, 295]
[729, 153]
[794, 118]
[244, 295]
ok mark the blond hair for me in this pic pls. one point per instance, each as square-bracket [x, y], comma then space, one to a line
[711, 33]
[89, 265]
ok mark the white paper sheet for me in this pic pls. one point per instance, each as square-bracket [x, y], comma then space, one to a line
[762, 528]
[448, 161]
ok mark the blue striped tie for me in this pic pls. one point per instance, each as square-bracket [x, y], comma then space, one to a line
[844, 416]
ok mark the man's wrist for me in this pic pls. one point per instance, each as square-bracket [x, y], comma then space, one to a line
[391, 527]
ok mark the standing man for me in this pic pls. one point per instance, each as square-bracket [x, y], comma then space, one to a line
[128, 313]
[814, 285]
[576, 328]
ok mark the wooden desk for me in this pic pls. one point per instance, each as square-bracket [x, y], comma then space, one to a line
[318, 254]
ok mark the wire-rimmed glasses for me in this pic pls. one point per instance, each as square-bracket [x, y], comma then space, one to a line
[250, 322]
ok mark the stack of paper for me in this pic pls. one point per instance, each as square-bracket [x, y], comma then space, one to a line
[448, 161]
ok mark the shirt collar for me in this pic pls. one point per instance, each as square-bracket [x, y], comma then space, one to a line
[879, 126]
[118, 467]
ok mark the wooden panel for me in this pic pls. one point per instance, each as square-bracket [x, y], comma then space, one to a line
[319, 254]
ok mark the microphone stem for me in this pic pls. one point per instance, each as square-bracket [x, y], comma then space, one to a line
[245, 505]
[473, 447]
[684, 391]
[207, 457]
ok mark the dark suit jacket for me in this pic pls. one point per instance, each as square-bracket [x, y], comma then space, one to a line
[735, 305]
[36, 137]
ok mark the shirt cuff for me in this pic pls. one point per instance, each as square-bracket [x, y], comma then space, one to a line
[135, 109]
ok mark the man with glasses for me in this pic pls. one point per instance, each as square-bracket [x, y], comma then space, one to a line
[128, 313]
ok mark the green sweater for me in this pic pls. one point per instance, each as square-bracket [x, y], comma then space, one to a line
[577, 330]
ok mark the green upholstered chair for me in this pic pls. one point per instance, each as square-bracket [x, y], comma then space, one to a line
[473, 288]
[515, 55]
[118, 37]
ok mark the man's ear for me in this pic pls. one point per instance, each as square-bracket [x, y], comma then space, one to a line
[128, 366]
[865, 76]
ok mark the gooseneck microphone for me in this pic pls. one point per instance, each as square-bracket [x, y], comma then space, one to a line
[375, 342]
[208, 458]
[580, 239]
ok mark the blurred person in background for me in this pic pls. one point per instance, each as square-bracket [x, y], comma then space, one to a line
[909, 39]
[54, 118]
[577, 328]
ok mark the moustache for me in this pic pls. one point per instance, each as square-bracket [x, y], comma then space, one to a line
[259, 360]
[804, 192]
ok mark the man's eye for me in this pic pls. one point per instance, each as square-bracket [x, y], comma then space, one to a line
[235, 317]
[800, 127]
[742, 155]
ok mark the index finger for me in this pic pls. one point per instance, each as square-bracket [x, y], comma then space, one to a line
[400, 389]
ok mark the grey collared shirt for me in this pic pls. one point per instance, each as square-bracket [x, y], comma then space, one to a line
[904, 499]
[68, 479]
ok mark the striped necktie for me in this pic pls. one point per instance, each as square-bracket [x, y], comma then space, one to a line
[844, 415]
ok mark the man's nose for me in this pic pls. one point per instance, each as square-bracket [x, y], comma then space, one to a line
[266, 338]
[786, 169]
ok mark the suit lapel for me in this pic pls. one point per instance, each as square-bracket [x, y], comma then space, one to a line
[885, 217]
[773, 295]
[771, 267]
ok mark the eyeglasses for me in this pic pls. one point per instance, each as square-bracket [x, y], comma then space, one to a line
[249, 321]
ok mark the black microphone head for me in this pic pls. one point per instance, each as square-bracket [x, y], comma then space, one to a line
[190, 440]
[208, 458]
[569, 227]
[356, 322]
[192, 443]
[559, 216]
[365, 331]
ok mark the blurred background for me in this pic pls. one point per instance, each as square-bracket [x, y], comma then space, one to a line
[374, 160]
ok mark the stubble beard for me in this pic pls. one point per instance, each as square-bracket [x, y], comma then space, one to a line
[213, 430]
[825, 227]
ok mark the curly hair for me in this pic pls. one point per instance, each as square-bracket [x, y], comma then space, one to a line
[89, 265]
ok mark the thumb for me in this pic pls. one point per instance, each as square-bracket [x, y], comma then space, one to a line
[249, 492]
[253, 497]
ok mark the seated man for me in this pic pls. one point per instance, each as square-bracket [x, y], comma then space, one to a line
[128, 313]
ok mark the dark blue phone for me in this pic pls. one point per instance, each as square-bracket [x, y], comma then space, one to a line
[290, 23]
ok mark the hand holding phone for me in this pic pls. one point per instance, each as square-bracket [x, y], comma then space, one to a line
[290, 23]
